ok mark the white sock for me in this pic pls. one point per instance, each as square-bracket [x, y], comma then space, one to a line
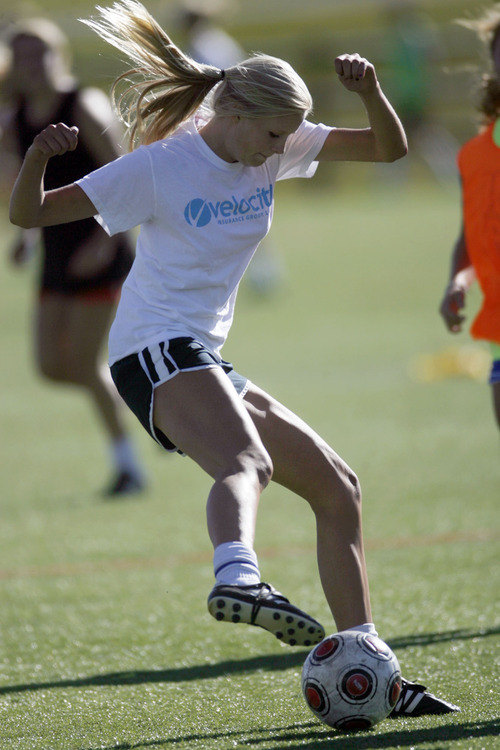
[235, 563]
[367, 627]
[124, 456]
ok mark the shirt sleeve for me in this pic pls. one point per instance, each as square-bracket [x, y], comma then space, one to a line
[302, 147]
[122, 191]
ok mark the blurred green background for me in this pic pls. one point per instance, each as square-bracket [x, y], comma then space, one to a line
[106, 642]
[309, 35]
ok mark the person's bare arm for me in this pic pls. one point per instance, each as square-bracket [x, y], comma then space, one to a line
[384, 140]
[30, 205]
[462, 275]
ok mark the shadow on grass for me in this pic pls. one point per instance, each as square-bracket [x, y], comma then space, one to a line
[315, 736]
[270, 663]
[427, 639]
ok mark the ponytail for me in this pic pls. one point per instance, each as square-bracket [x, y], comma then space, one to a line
[165, 87]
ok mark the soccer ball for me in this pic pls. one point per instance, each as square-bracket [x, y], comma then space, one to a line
[351, 680]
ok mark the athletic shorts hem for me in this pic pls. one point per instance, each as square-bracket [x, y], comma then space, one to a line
[495, 365]
[137, 375]
[495, 373]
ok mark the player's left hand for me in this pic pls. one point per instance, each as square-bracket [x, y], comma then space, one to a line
[451, 306]
[356, 73]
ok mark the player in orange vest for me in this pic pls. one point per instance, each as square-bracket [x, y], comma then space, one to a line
[476, 254]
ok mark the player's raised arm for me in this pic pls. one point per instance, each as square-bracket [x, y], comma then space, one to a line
[384, 140]
[30, 205]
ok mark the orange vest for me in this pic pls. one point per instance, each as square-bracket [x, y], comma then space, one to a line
[479, 165]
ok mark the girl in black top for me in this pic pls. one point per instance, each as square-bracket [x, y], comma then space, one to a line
[82, 269]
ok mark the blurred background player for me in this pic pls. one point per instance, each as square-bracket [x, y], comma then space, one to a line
[206, 40]
[476, 253]
[82, 269]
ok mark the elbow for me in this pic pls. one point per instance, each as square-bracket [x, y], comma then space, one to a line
[19, 219]
[19, 222]
[397, 152]
[403, 151]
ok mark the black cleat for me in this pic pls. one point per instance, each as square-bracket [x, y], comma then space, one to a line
[263, 606]
[124, 484]
[414, 700]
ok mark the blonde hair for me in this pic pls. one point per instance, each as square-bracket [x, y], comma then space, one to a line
[487, 28]
[166, 87]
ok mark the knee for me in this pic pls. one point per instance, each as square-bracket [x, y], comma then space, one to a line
[337, 492]
[62, 370]
[264, 467]
[353, 489]
[352, 483]
[345, 497]
[258, 462]
[51, 369]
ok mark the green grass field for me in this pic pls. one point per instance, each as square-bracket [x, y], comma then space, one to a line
[106, 642]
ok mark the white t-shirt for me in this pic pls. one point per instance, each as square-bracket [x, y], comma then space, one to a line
[201, 221]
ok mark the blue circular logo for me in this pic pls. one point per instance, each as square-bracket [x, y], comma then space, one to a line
[197, 213]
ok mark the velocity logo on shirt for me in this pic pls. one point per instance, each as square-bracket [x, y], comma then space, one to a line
[199, 212]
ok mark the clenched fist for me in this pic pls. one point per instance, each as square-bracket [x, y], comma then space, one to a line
[356, 73]
[56, 140]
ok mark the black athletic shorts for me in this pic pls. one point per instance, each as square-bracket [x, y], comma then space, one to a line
[137, 375]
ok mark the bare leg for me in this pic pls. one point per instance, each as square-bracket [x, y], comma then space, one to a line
[305, 464]
[495, 389]
[70, 334]
[202, 414]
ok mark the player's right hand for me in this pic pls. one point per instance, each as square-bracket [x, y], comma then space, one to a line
[453, 302]
[55, 140]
